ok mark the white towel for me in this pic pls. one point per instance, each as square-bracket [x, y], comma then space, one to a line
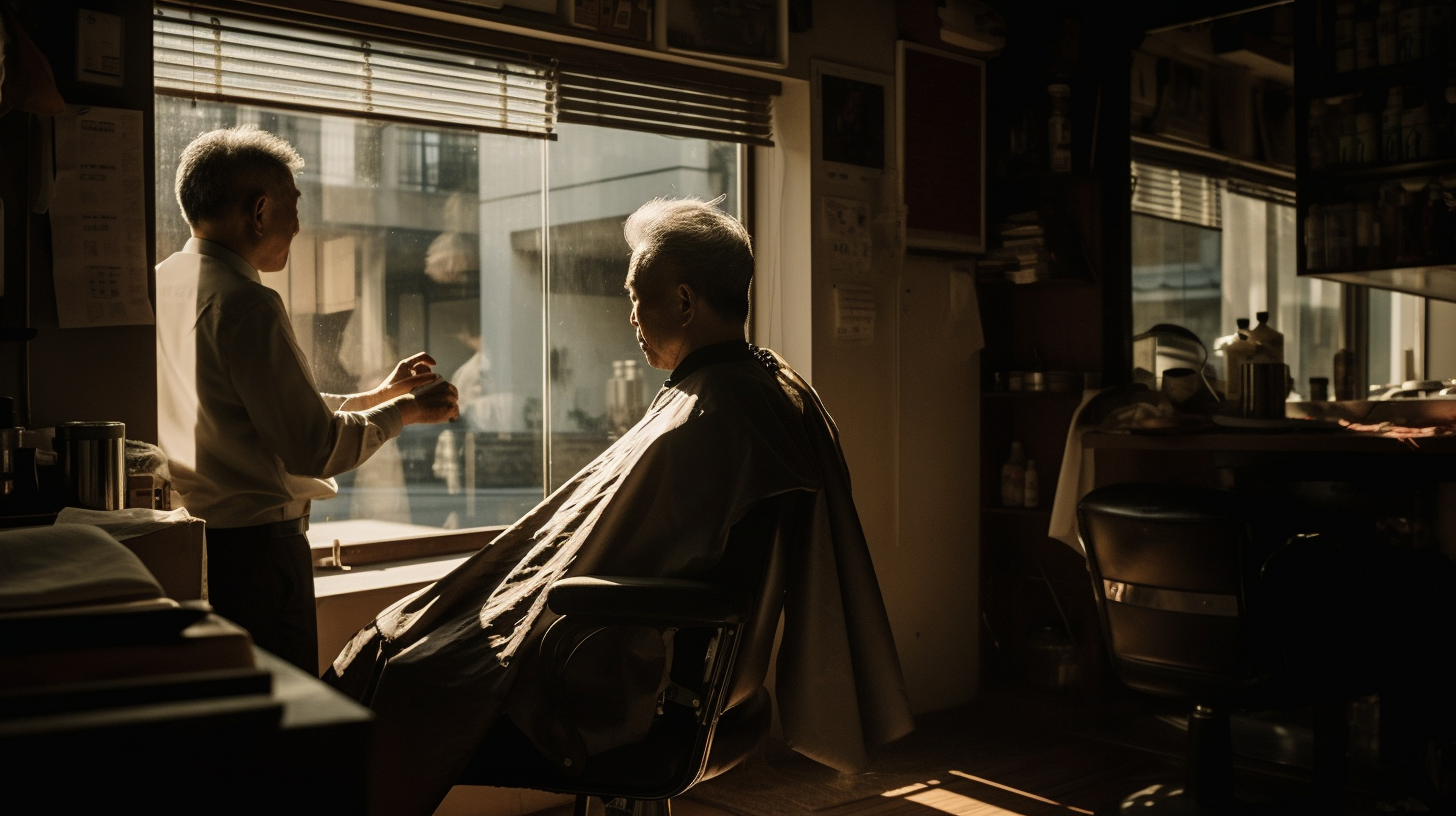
[1074, 481]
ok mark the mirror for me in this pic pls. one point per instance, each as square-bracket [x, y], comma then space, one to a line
[1213, 216]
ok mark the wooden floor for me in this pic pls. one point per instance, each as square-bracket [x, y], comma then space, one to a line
[1023, 753]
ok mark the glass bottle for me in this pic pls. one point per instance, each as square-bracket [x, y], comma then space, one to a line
[1314, 237]
[1344, 36]
[1366, 44]
[1240, 350]
[1408, 31]
[1031, 485]
[1059, 129]
[1392, 142]
[1270, 340]
[1387, 26]
[1013, 478]
[1317, 135]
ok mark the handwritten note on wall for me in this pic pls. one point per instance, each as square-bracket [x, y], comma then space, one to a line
[98, 219]
[846, 229]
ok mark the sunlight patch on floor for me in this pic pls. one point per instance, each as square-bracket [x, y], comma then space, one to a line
[957, 804]
[1020, 792]
[929, 794]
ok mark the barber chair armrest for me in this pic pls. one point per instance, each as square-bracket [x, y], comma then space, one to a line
[648, 601]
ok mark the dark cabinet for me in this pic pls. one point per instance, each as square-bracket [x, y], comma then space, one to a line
[1376, 99]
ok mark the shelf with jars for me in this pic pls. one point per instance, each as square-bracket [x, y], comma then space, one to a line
[1377, 177]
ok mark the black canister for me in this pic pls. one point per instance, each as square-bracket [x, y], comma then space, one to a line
[92, 456]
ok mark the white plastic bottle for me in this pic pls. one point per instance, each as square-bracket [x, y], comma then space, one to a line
[1270, 340]
[1013, 478]
[1239, 351]
[1059, 129]
[1031, 485]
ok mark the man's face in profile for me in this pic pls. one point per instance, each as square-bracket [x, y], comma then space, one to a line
[280, 225]
[659, 327]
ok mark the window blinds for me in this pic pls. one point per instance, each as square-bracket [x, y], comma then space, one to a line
[206, 54]
[637, 100]
[1177, 195]
[362, 60]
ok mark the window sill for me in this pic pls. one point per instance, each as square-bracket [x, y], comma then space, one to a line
[361, 542]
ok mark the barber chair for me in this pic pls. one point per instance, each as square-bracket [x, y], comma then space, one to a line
[1204, 597]
[714, 713]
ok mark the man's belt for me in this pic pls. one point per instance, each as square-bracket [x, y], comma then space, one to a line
[273, 529]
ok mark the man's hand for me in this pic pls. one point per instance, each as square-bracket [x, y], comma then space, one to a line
[410, 373]
[434, 401]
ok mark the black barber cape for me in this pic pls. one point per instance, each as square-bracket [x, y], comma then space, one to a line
[732, 426]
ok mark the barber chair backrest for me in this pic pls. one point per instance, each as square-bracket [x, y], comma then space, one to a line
[756, 564]
[1170, 571]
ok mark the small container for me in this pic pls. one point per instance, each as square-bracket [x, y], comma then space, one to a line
[1319, 389]
[92, 456]
[1015, 381]
[1036, 381]
[1062, 381]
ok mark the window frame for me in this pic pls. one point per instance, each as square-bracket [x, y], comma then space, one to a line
[428, 30]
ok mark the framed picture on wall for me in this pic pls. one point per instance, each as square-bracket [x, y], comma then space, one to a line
[852, 109]
[752, 31]
[941, 127]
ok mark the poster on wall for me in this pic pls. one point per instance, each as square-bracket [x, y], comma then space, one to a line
[941, 128]
[845, 226]
[98, 219]
[852, 109]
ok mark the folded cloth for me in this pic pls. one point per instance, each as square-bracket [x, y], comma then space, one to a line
[127, 523]
[1114, 408]
[1073, 482]
[66, 565]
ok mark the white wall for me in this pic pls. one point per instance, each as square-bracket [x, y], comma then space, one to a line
[906, 402]
[1441, 340]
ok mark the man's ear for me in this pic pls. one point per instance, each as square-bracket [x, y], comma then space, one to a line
[687, 302]
[256, 214]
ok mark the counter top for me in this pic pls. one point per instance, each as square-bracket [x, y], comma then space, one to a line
[1217, 438]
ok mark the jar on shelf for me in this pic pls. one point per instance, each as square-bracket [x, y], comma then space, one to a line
[1344, 36]
[1059, 129]
[1392, 142]
[1415, 128]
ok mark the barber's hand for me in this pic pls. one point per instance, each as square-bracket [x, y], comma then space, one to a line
[411, 373]
[434, 401]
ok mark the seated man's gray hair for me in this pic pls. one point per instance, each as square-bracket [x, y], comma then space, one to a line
[222, 172]
[708, 248]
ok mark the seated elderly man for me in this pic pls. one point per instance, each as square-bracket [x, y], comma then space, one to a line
[732, 425]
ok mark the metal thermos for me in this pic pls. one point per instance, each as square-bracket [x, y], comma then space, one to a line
[1265, 385]
[92, 456]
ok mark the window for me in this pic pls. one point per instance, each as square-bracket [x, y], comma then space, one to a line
[1208, 250]
[501, 255]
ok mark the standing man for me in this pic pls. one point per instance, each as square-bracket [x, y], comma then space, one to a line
[250, 439]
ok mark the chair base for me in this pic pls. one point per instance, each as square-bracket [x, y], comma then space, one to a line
[1172, 800]
[587, 805]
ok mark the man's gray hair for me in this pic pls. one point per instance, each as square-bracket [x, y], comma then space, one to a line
[225, 171]
[709, 250]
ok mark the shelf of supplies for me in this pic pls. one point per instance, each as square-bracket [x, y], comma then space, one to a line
[1044, 283]
[1333, 177]
[1027, 512]
[1025, 393]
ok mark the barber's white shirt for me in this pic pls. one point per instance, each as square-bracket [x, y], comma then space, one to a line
[249, 438]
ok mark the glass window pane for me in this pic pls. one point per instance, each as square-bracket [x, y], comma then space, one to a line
[1204, 279]
[432, 239]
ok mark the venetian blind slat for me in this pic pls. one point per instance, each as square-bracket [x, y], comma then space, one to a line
[659, 105]
[213, 56]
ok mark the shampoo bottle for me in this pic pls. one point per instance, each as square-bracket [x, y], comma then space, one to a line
[1270, 340]
[1240, 350]
[1013, 478]
[1031, 486]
